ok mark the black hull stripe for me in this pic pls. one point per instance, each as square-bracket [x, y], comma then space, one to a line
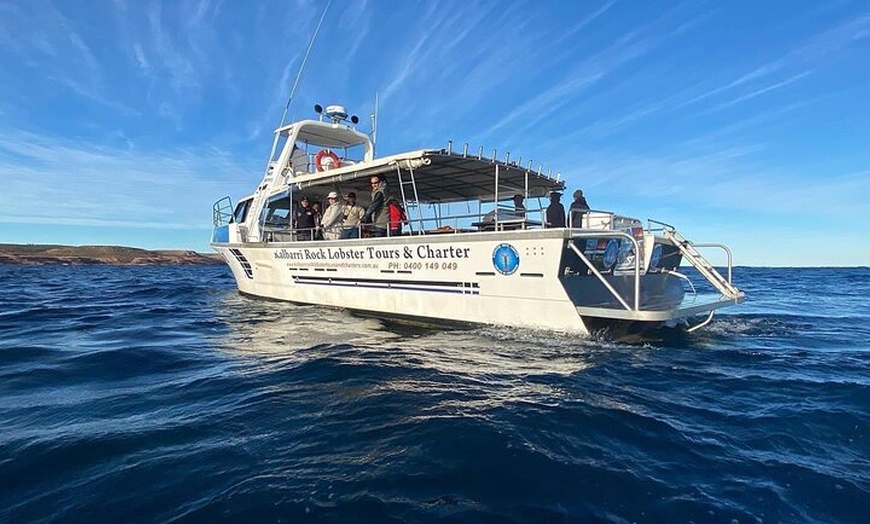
[392, 281]
[462, 288]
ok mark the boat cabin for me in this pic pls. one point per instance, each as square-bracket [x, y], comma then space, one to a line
[440, 190]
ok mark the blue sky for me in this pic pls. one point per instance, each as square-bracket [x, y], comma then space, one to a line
[740, 122]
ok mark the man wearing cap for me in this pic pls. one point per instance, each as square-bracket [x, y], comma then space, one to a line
[304, 220]
[555, 211]
[353, 213]
[332, 217]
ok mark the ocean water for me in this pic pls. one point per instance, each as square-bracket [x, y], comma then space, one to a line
[159, 394]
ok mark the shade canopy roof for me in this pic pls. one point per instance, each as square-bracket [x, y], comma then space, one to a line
[439, 176]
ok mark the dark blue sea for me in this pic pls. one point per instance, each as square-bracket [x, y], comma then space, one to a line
[159, 394]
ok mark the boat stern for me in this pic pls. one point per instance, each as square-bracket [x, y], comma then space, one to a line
[632, 277]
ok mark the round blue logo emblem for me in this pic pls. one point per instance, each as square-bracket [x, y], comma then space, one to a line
[610, 253]
[505, 259]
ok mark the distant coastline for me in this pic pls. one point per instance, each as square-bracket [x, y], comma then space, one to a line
[41, 254]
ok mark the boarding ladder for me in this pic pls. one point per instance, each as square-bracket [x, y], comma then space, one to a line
[410, 202]
[701, 264]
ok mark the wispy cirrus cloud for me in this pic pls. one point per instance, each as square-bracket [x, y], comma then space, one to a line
[761, 91]
[420, 52]
[44, 38]
[180, 68]
[572, 31]
[355, 22]
[731, 180]
[77, 183]
[797, 63]
[631, 46]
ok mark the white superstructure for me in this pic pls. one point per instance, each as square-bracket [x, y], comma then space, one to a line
[466, 253]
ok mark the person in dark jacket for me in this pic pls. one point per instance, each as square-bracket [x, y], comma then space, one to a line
[579, 207]
[555, 211]
[304, 220]
[377, 213]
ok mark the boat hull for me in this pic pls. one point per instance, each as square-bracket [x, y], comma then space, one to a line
[520, 278]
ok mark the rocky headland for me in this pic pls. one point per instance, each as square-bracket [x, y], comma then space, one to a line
[107, 255]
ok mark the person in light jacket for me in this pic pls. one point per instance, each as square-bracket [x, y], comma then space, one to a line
[353, 213]
[332, 217]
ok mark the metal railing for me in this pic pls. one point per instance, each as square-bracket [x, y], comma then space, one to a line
[594, 270]
[695, 259]
[462, 223]
[222, 212]
[504, 219]
[723, 247]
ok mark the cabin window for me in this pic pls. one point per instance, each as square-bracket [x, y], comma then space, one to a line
[277, 212]
[241, 212]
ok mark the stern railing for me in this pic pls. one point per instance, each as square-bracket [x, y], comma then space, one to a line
[600, 276]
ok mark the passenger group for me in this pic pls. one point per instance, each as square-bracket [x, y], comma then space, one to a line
[384, 216]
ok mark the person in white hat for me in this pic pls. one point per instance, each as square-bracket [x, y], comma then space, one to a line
[332, 217]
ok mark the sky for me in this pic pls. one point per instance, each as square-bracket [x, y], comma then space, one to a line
[745, 123]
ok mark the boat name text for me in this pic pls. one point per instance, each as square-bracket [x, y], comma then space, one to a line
[422, 252]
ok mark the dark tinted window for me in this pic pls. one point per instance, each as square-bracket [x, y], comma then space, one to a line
[241, 211]
[277, 211]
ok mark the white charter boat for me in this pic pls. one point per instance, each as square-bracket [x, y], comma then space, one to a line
[464, 258]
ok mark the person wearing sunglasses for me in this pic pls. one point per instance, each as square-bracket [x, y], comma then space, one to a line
[377, 213]
[353, 213]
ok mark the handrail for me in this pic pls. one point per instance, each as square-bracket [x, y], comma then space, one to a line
[707, 270]
[569, 216]
[724, 248]
[702, 324]
[612, 234]
[473, 223]
[665, 224]
[220, 215]
[680, 275]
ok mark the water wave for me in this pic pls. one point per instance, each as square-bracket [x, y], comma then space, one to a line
[161, 394]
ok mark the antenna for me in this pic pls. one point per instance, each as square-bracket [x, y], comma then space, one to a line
[374, 118]
[304, 61]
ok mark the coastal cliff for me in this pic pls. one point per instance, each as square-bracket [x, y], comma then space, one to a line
[108, 255]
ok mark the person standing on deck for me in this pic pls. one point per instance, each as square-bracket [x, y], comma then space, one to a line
[519, 206]
[353, 213]
[377, 213]
[555, 211]
[304, 220]
[332, 217]
[579, 207]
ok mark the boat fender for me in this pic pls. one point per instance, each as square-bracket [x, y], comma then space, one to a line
[326, 160]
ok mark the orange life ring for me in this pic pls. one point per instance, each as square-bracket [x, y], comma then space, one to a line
[325, 160]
